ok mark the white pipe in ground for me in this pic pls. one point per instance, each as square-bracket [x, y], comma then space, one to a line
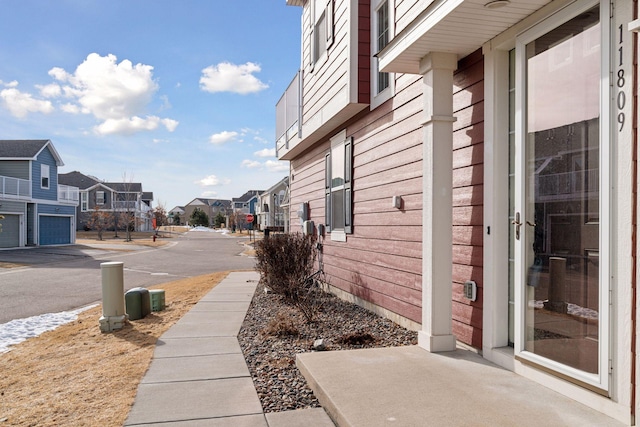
[113, 308]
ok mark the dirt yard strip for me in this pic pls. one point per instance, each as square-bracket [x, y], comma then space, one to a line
[77, 376]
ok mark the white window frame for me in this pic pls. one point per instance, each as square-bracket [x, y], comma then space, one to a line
[379, 97]
[84, 201]
[340, 141]
[100, 200]
[45, 178]
[321, 10]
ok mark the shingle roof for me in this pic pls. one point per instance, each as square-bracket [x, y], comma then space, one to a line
[247, 196]
[147, 195]
[27, 149]
[24, 149]
[76, 179]
[125, 187]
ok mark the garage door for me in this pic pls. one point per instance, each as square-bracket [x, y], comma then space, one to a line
[55, 230]
[10, 235]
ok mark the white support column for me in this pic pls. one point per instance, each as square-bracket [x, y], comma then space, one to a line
[437, 69]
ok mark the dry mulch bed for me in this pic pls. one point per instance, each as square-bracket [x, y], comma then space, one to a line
[274, 332]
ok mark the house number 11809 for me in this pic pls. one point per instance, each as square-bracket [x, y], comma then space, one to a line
[621, 98]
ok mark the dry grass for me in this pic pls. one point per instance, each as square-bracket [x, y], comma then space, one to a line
[78, 376]
[137, 238]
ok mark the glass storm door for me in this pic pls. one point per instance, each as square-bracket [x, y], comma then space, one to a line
[556, 221]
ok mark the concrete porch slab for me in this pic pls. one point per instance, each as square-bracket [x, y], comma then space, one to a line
[408, 386]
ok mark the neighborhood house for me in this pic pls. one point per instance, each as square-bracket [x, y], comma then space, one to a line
[124, 200]
[475, 166]
[37, 209]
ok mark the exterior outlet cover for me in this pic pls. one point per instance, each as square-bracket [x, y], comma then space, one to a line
[308, 228]
[396, 201]
[470, 290]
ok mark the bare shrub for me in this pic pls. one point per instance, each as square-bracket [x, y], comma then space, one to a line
[285, 263]
[281, 326]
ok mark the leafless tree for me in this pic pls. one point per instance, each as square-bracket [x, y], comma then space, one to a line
[99, 220]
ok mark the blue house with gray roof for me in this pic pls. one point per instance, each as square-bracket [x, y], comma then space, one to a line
[36, 209]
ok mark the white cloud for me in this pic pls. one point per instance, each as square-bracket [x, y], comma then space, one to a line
[251, 164]
[260, 140]
[127, 126]
[227, 77]
[276, 166]
[222, 137]
[50, 91]
[70, 108]
[265, 152]
[117, 94]
[20, 104]
[209, 181]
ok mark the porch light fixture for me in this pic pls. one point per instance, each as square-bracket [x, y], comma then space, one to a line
[496, 4]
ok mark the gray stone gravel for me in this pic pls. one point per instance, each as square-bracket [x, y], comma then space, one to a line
[273, 333]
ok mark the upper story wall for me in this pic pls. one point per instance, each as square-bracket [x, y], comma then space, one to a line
[38, 191]
[15, 169]
[335, 68]
[408, 10]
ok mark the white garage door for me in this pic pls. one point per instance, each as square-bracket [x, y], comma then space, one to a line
[10, 235]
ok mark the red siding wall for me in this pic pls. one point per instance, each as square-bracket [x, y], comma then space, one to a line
[468, 146]
[364, 52]
[381, 262]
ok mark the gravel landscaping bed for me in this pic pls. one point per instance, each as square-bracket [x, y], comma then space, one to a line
[274, 332]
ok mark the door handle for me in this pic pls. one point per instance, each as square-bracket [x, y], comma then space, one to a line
[518, 224]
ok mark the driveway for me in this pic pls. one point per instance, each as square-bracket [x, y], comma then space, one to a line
[64, 278]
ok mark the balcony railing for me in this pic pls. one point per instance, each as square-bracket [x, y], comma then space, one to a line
[14, 188]
[69, 194]
[288, 114]
[567, 184]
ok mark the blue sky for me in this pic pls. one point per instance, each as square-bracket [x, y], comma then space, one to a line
[178, 95]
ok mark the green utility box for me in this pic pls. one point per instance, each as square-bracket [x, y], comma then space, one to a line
[137, 303]
[157, 299]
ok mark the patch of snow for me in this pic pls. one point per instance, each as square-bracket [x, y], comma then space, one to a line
[18, 330]
[210, 230]
[201, 228]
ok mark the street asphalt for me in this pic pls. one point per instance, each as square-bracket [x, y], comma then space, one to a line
[61, 278]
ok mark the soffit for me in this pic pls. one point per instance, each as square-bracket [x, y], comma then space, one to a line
[452, 26]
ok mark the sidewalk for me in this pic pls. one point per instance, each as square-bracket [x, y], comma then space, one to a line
[198, 375]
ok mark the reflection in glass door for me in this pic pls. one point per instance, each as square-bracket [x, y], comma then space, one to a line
[556, 214]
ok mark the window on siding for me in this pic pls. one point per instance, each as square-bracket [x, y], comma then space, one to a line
[338, 177]
[322, 28]
[44, 176]
[382, 39]
[99, 197]
[382, 19]
[84, 201]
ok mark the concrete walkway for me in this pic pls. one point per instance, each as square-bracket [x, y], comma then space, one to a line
[198, 376]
